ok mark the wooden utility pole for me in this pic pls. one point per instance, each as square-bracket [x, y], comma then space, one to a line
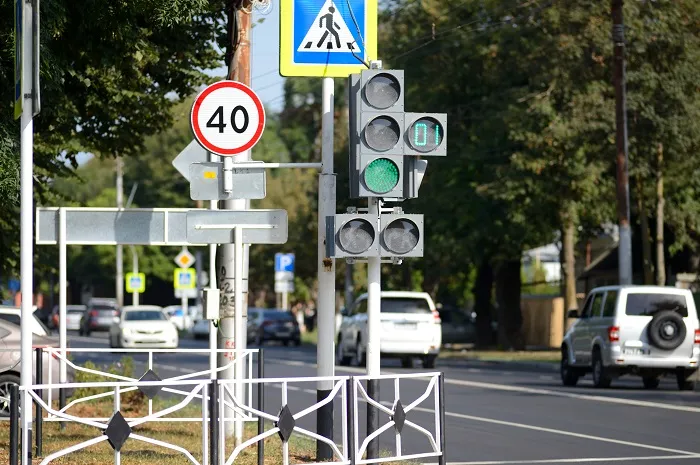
[623, 195]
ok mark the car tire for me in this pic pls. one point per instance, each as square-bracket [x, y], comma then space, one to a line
[259, 341]
[651, 382]
[6, 381]
[429, 362]
[406, 362]
[360, 358]
[340, 357]
[297, 342]
[569, 375]
[684, 384]
[656, 330]
[601, 376]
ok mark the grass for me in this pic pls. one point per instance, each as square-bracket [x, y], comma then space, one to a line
[310, 338]
[542, 356]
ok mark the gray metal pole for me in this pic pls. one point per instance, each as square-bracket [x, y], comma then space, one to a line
[62, 298]
[325, 308]
[374, 303]
[26, 224]
[135, 270]
[622, 158]
[119, 282]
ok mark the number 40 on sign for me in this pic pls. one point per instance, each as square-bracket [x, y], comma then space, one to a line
[227, 118]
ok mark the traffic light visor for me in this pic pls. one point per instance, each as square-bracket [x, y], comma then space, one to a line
[382, 91]
[356, 236]
[401, 236]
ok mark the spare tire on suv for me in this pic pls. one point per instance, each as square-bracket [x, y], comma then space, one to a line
[666, 330]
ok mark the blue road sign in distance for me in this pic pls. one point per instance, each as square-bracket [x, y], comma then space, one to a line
[326, 37]
[284, 262]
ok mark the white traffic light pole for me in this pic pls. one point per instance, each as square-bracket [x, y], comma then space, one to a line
[325, 308]
[374, 304]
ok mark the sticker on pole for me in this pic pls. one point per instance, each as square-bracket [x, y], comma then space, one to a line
[227, 118]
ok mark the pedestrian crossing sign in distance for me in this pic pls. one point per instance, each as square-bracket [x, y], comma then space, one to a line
[327, 38]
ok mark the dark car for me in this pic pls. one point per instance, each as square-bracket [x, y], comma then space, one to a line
[98, 317]
[458, 326]
[272, 325]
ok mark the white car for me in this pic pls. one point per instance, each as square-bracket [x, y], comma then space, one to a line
[647, 331]
[143, 326]
[13, 315]
[182, 320]
[411, 328]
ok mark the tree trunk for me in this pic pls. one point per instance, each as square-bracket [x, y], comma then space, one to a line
[660, 259]
[568, 244]
[510, 318]
[483, 287]
[646, 238]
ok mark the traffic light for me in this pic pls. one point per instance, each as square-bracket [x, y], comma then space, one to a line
[385, 141]
[361, 235]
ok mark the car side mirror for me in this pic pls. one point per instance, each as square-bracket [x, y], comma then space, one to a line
[572, 314]
[344, 312]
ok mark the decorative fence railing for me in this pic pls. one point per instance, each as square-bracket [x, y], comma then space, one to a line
[217, 399]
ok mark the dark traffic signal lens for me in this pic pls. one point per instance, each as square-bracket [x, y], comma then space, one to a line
[382, 133]
[382, 91]
[401, 236]
[356, 236]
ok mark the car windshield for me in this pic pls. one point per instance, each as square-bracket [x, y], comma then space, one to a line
[103, 308]
[280, 316]
[405, 305]
[639, 304]
[75, 312]
[144, 315]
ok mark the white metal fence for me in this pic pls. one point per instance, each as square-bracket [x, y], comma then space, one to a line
[218, 400]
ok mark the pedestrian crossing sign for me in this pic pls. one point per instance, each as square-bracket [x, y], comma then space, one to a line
[327, 38]
[184, 278]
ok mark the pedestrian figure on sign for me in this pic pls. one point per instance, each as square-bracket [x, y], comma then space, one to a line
[330, 26]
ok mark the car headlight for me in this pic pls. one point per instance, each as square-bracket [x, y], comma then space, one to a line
[126, 331]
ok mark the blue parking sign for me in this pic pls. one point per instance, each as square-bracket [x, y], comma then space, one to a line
[284, 262]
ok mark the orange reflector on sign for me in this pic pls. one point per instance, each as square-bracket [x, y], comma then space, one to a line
[210, 175]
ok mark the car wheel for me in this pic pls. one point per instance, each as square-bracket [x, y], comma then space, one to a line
[406, 362]
[651, 382]
[287, 342]
[429, 361]
[340, 357]
[684, 384]
[601, 377]
[569, 375]
[297, 342]
[6, 383]
[360, 358]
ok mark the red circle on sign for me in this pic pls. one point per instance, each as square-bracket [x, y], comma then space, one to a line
[201, 138]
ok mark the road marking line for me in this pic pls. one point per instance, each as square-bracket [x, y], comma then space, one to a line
[571, 395]
[546, 377]
[560, 432]
[577, 460]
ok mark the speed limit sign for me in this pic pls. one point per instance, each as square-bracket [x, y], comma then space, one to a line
[227, 118]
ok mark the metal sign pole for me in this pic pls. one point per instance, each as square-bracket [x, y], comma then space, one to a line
[135, 270]
[325, 308]
[213, 205]
[26, 217]
[239, 327]
[62, 291]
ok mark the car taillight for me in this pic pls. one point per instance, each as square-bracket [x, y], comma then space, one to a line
[697, 336]
[614, 333]
[115, 312]
[436, 316]
[266, 323]
[93, 313]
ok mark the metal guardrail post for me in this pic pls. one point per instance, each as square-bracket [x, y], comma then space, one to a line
[61, 405]
[214, 418]
[441, 402]
[351, 418]
[261, 407]
[39, 376]
[14, 425]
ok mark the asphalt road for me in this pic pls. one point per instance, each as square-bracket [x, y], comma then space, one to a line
[496, 415]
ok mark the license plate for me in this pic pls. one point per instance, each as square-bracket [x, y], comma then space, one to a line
[282, 334]
[636, 351]
[407, 325]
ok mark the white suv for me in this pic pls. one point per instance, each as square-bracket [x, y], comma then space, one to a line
[410, 329]
[648, 331]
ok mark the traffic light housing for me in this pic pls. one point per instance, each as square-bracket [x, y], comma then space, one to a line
[385, 141]
[356, 235]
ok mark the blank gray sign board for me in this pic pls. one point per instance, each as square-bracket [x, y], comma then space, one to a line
[216, 226]
[111, 226]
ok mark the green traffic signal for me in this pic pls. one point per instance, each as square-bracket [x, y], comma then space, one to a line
[381, 175]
